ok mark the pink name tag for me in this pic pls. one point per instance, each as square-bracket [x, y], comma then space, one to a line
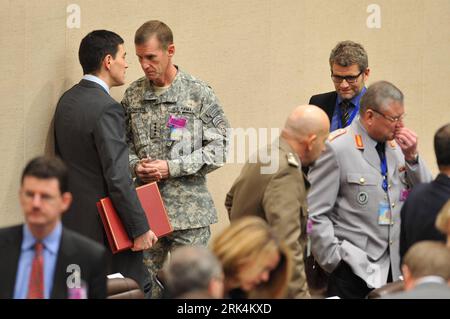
[176, 122]
[404, 193]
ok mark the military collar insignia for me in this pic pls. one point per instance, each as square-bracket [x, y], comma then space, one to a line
[392, 144]
[292, 161]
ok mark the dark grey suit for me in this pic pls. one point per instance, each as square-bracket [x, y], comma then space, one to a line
[426, 290]
[73, 249]
[90, 138]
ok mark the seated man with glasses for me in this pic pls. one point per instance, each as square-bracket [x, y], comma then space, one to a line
[358, 187]
[349, 72]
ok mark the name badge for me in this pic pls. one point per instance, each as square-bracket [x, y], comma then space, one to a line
[176, 134]
[384, 214]
[176, 122]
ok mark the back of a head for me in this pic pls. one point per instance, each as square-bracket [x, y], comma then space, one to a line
[189, 269]
[442, 146]
[95, 46]
[248, 239]
[443, 220]
[154, 28]
[46, 167]
[428, 258]
[347, 53]
[379, 95]
[306, 120]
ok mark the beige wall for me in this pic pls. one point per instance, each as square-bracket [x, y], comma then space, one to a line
[262, 57]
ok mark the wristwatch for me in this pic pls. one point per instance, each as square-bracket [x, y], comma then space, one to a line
[415, 160]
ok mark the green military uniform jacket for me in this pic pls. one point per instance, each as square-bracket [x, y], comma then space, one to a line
[279, 197]
[191, 153]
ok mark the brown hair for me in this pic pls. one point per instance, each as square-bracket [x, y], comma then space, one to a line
[154, 28]
[347, 53]
[428, 258]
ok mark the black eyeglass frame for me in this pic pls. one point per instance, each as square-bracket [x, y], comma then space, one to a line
[348, 78]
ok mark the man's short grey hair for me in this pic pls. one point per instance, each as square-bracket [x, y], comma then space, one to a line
[190, 268]
[379, 95]
[428, 258]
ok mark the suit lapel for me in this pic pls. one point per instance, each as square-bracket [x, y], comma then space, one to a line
[10, 247]
[66, 250]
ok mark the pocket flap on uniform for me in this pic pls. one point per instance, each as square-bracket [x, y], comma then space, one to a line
[361, 179]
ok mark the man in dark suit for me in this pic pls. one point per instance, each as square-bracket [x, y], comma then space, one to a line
[420, 210]
[90, 138]
[426, 272]
[42, 259]
[349, 72]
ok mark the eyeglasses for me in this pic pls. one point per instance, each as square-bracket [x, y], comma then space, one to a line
[390, 118]
[348, 78]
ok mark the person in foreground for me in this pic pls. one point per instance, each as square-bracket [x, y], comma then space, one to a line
[426, 272]
[255, 262]
[41, 258]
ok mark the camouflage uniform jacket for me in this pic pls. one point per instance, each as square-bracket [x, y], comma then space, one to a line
[199, 148]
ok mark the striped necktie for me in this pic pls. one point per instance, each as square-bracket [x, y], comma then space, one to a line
[345, 112]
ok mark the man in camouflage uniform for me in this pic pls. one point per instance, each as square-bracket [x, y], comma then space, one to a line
[176, 132]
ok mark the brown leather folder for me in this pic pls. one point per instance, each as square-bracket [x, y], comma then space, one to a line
[153, 205]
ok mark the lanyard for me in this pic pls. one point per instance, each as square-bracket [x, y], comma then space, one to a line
[350, 118]
[384, 171]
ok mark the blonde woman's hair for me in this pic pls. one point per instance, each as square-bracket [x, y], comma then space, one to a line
[247, 239]
[443, 218]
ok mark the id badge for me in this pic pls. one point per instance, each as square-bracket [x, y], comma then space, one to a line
[176, 134]
[384, 214]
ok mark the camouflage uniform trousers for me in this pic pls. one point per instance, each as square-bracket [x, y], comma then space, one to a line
[155, 256]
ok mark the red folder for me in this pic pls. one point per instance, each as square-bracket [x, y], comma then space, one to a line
[153, 206]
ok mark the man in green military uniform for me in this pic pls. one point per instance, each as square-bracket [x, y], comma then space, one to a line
[279, 196]
[177, 133]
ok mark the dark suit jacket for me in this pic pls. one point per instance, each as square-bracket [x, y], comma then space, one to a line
[326, 101]
[90, 138]
[73, 249]
[419, 212]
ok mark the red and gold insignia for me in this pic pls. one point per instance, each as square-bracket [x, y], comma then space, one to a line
[359, 142]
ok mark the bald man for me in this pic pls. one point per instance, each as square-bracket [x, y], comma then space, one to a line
[279, 195]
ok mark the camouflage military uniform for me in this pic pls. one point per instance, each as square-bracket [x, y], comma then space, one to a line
[196, 149]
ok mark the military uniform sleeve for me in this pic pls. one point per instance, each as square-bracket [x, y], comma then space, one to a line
[133, 157]
[212, 152]
[418, 173]
[109, 136]
[324, 177]
[282, 206]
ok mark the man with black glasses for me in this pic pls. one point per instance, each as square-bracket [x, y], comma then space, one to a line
[358, 187]
[349, 72]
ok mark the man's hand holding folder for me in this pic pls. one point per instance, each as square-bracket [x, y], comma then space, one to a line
[145, 241]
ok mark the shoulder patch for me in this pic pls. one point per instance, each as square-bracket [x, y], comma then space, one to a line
[336, 133]
[292, 161]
